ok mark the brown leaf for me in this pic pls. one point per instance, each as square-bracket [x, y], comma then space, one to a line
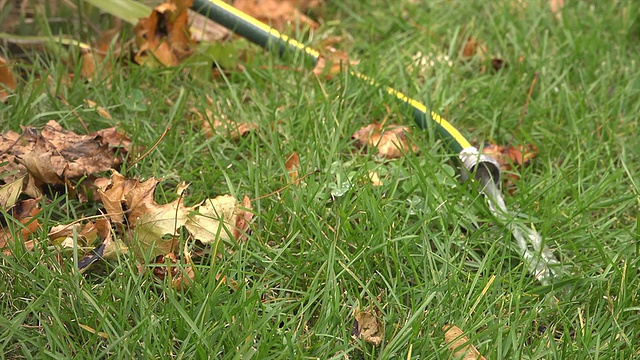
[111, 192]
[165, 36]
[556, 7]
[53, 155]
[459, 344]
[391, 141]
[292, 166]
[473, 48]
[24, 212]
[368, 326]
[7, 81]
[155, 227]
[277, 14]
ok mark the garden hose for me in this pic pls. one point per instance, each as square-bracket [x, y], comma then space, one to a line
[484, 168]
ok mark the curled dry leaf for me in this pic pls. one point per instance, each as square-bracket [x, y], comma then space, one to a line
[459, 344]
[391, 141]
[277, 14]
[53, 155]
[367, 326]
[292, 166]
[165, 36]
[99, 109]
[220, 218]
[375, 179]
[511, 158]
[23, 212]
[153, 228]
[7, 81]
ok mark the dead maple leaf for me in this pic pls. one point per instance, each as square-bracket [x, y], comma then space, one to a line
[511, 158]
[292, 166]
[220, 218]
[391, 141]
[277, 14]
[7, 81]
[112, 191]
[459, 344]
[24, 213]
[367, 326]
[153, 228]
[164, 36]
[53, 156]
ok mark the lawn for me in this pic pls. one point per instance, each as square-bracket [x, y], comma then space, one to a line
[418, 252]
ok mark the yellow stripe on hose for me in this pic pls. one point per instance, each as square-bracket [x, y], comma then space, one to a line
[455, 134]
[266, 28]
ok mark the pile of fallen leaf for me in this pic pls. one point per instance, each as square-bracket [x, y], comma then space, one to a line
[38, 164]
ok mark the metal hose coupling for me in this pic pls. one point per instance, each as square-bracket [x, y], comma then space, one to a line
[483, 168]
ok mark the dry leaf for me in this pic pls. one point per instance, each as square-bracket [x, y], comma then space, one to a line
[367, 326]
[155, 226]
[459, 344]
[24, 212]
[220, 218]
[10, 192]
[99, 109]
[473, 48]
[164, 36]
[277, 14]
[511, 158]
[391, 141]
[292, 166]
[7, 81]
[332, 61]
[53, 155]
[556, 7]
[375, 178]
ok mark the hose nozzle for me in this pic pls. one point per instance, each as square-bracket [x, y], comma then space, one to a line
[483, 168]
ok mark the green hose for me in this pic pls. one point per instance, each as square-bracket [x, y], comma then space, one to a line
[271, 39]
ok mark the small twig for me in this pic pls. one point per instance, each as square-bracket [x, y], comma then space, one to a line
[152, 147]
[284, 187]
[526, 104]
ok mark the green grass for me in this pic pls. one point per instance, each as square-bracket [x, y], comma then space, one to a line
[423, 248]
